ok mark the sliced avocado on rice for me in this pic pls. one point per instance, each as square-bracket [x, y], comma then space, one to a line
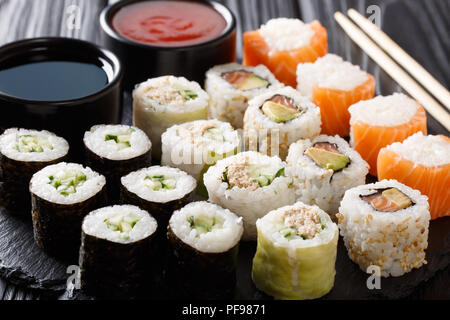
[33, 143]
[160, 182]
[253, 82]
[278, 112]
[327, 159]
[68, 183]
[400, 200]
[122, 224]
[204, 224]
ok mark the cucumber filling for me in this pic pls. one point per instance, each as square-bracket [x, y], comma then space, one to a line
[33, 143]
[68, 183]
[120, 141]
[204, 224]
[187, 94]
[214, 134]
[123, 224]
[160, 183]
[250, 176]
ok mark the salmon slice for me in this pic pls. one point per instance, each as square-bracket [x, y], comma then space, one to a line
[283, 63]
[369, 140]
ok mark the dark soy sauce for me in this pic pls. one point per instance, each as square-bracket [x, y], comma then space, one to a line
[52, 80]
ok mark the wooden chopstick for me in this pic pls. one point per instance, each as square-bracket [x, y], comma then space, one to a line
[390, 67]
[401, 57]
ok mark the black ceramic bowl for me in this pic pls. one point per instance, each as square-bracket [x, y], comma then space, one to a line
[67, 118]
[143, 61]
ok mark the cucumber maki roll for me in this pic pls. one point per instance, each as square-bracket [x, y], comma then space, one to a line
[204, 241]
[250, 184]
[114, 151]
[296, 253]
[323, 169]
[62, 195]
[232, 85]
[385, 224]
[116, 252]
[195, 146]
[23, 152]
[162, 102]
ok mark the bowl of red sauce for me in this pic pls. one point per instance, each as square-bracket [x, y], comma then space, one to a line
[181, 38]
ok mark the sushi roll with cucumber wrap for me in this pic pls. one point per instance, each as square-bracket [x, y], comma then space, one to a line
[385, 224]
[232, 85]
[62, 195]
[117, 252]
[296, 253]
[277, 118]
[24, 152]
[114, 151]
[204, 244]
[250, 184]
[323, 169]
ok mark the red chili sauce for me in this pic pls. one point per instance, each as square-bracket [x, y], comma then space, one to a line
[169, 23]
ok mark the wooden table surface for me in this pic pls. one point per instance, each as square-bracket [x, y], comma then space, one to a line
[420, 26]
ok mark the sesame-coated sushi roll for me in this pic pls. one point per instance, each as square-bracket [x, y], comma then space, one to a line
[161, 102]
[117, 252]
[23, 152]
[323, 169]
[62, 195]
[277, 118]
[381, 121]
[423, 163]
[385, 224]
[250, 184]
[334, 85]
[232, 85]
[204, 241]
[281, 44]
[296, 253]
[114, 151]
[195, 146]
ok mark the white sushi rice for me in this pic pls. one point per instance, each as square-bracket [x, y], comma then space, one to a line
[286, 34]
[229, 103]
[319, 186]
[186, 146]
[331, 72]
[95, 140]
[249, 204]
[219, 239]
[53, 147]
[429, 151]
[386, 111]
[95, 226]
[136, 183]
[41, 187]
[394, 241]
[265, 135]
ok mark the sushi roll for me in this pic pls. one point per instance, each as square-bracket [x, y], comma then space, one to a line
[334, 85]
[116, 252]
[250, 184]
[161, 102]
[114, 151]
[296, 253]
[195, 146]
[277, 118]
[323, 169]
[385, 224]
[204, 241]
[232, 85]
[62, 195]
[281, 44]
[159, 190]
[23, 152]
[381, 121]
[423, 163]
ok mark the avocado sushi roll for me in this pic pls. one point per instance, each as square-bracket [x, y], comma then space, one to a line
[277, 118]
[162, 102]
[116, 252]
[62, 195]
[114, 151]
[323, 169]
[231, 86]
[385, 224]
[296, 253]
[23, 152]
[204, 243]
[250, 184]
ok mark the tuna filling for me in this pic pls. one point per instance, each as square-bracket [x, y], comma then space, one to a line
[301, 223]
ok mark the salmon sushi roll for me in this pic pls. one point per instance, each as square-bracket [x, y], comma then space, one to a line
[334, 85]
[423, 163]
[384, 120]
[281, 44]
